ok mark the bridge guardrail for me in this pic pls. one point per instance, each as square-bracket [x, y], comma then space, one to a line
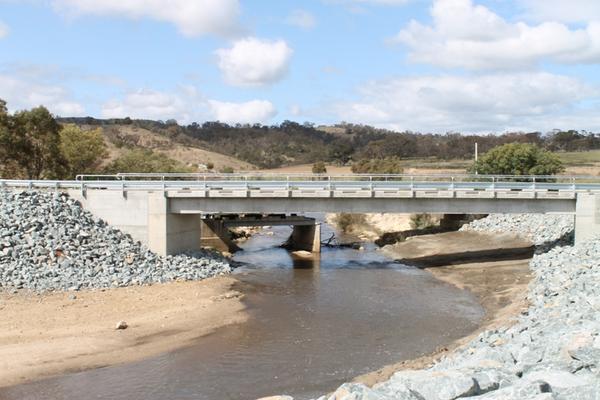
[337, 177]
[309, 185]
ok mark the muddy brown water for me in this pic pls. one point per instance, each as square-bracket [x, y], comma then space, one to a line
[314, 324]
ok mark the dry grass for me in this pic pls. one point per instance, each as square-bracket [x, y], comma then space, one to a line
[186, 154]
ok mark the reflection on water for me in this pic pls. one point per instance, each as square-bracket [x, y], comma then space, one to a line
[311, 329]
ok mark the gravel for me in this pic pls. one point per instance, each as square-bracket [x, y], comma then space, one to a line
[49, 243]
[552, 352]
[545, 231]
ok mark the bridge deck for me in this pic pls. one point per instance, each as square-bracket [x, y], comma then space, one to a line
[165, 211]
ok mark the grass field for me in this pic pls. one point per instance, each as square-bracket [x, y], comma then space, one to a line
[581, 158]
[576, 163]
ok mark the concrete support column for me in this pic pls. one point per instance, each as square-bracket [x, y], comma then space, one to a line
[168, 233]
[306, 237]
[215, 234]
[587, 217]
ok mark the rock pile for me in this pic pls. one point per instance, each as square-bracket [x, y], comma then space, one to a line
[552, 352]
[48, 242]
[545, 231]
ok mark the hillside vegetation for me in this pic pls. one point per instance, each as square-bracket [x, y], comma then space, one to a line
[34, 144]
[291, 143]
[120, 138]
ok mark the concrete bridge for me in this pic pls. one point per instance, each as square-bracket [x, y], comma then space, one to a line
[176, 212]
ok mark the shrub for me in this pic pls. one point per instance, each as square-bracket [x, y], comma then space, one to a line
[421, 221]
[145, 161]
[518, 159]
[390, 165]
[226, 170]
[345, 221]
[319, 168]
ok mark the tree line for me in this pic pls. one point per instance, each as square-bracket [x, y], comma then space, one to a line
[271, 146]
[35, 145]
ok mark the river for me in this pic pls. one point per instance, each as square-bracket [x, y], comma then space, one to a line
[314, 324]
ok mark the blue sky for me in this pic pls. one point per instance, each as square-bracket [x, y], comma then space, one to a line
[429, 66]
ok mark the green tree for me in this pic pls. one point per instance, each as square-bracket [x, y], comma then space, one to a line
[145, 161]
[8, 166]
[30, 144]
[518, 159]
[319, 168]
[390, 165]
[82, 150]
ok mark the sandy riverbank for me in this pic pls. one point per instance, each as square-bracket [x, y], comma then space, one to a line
[500, 287]
[52, 334]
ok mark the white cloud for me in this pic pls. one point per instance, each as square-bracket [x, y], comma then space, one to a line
[4, 30]
[384, 2]
[563, 11]
[254, 62]
[192, 17]
[296, 110]
[22, 93]
[473, 37]
[150, 104]
[186, 105]
[378, 2]
[496, 102]
[302, 19]
[244, 113]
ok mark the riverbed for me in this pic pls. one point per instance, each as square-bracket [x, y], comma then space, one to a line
[314, 323]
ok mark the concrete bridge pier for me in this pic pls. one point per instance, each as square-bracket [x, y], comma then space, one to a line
[587, 217]
[306, 237]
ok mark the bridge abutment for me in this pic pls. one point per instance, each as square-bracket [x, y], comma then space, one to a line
[168, 233]
[587, 217]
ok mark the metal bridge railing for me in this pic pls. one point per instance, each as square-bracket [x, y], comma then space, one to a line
[305, 177]
[341, 185]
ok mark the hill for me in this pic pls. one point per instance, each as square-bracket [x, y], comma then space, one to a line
[120, 138]
[245, 147]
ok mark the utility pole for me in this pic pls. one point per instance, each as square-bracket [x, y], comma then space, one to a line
[476, 157]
